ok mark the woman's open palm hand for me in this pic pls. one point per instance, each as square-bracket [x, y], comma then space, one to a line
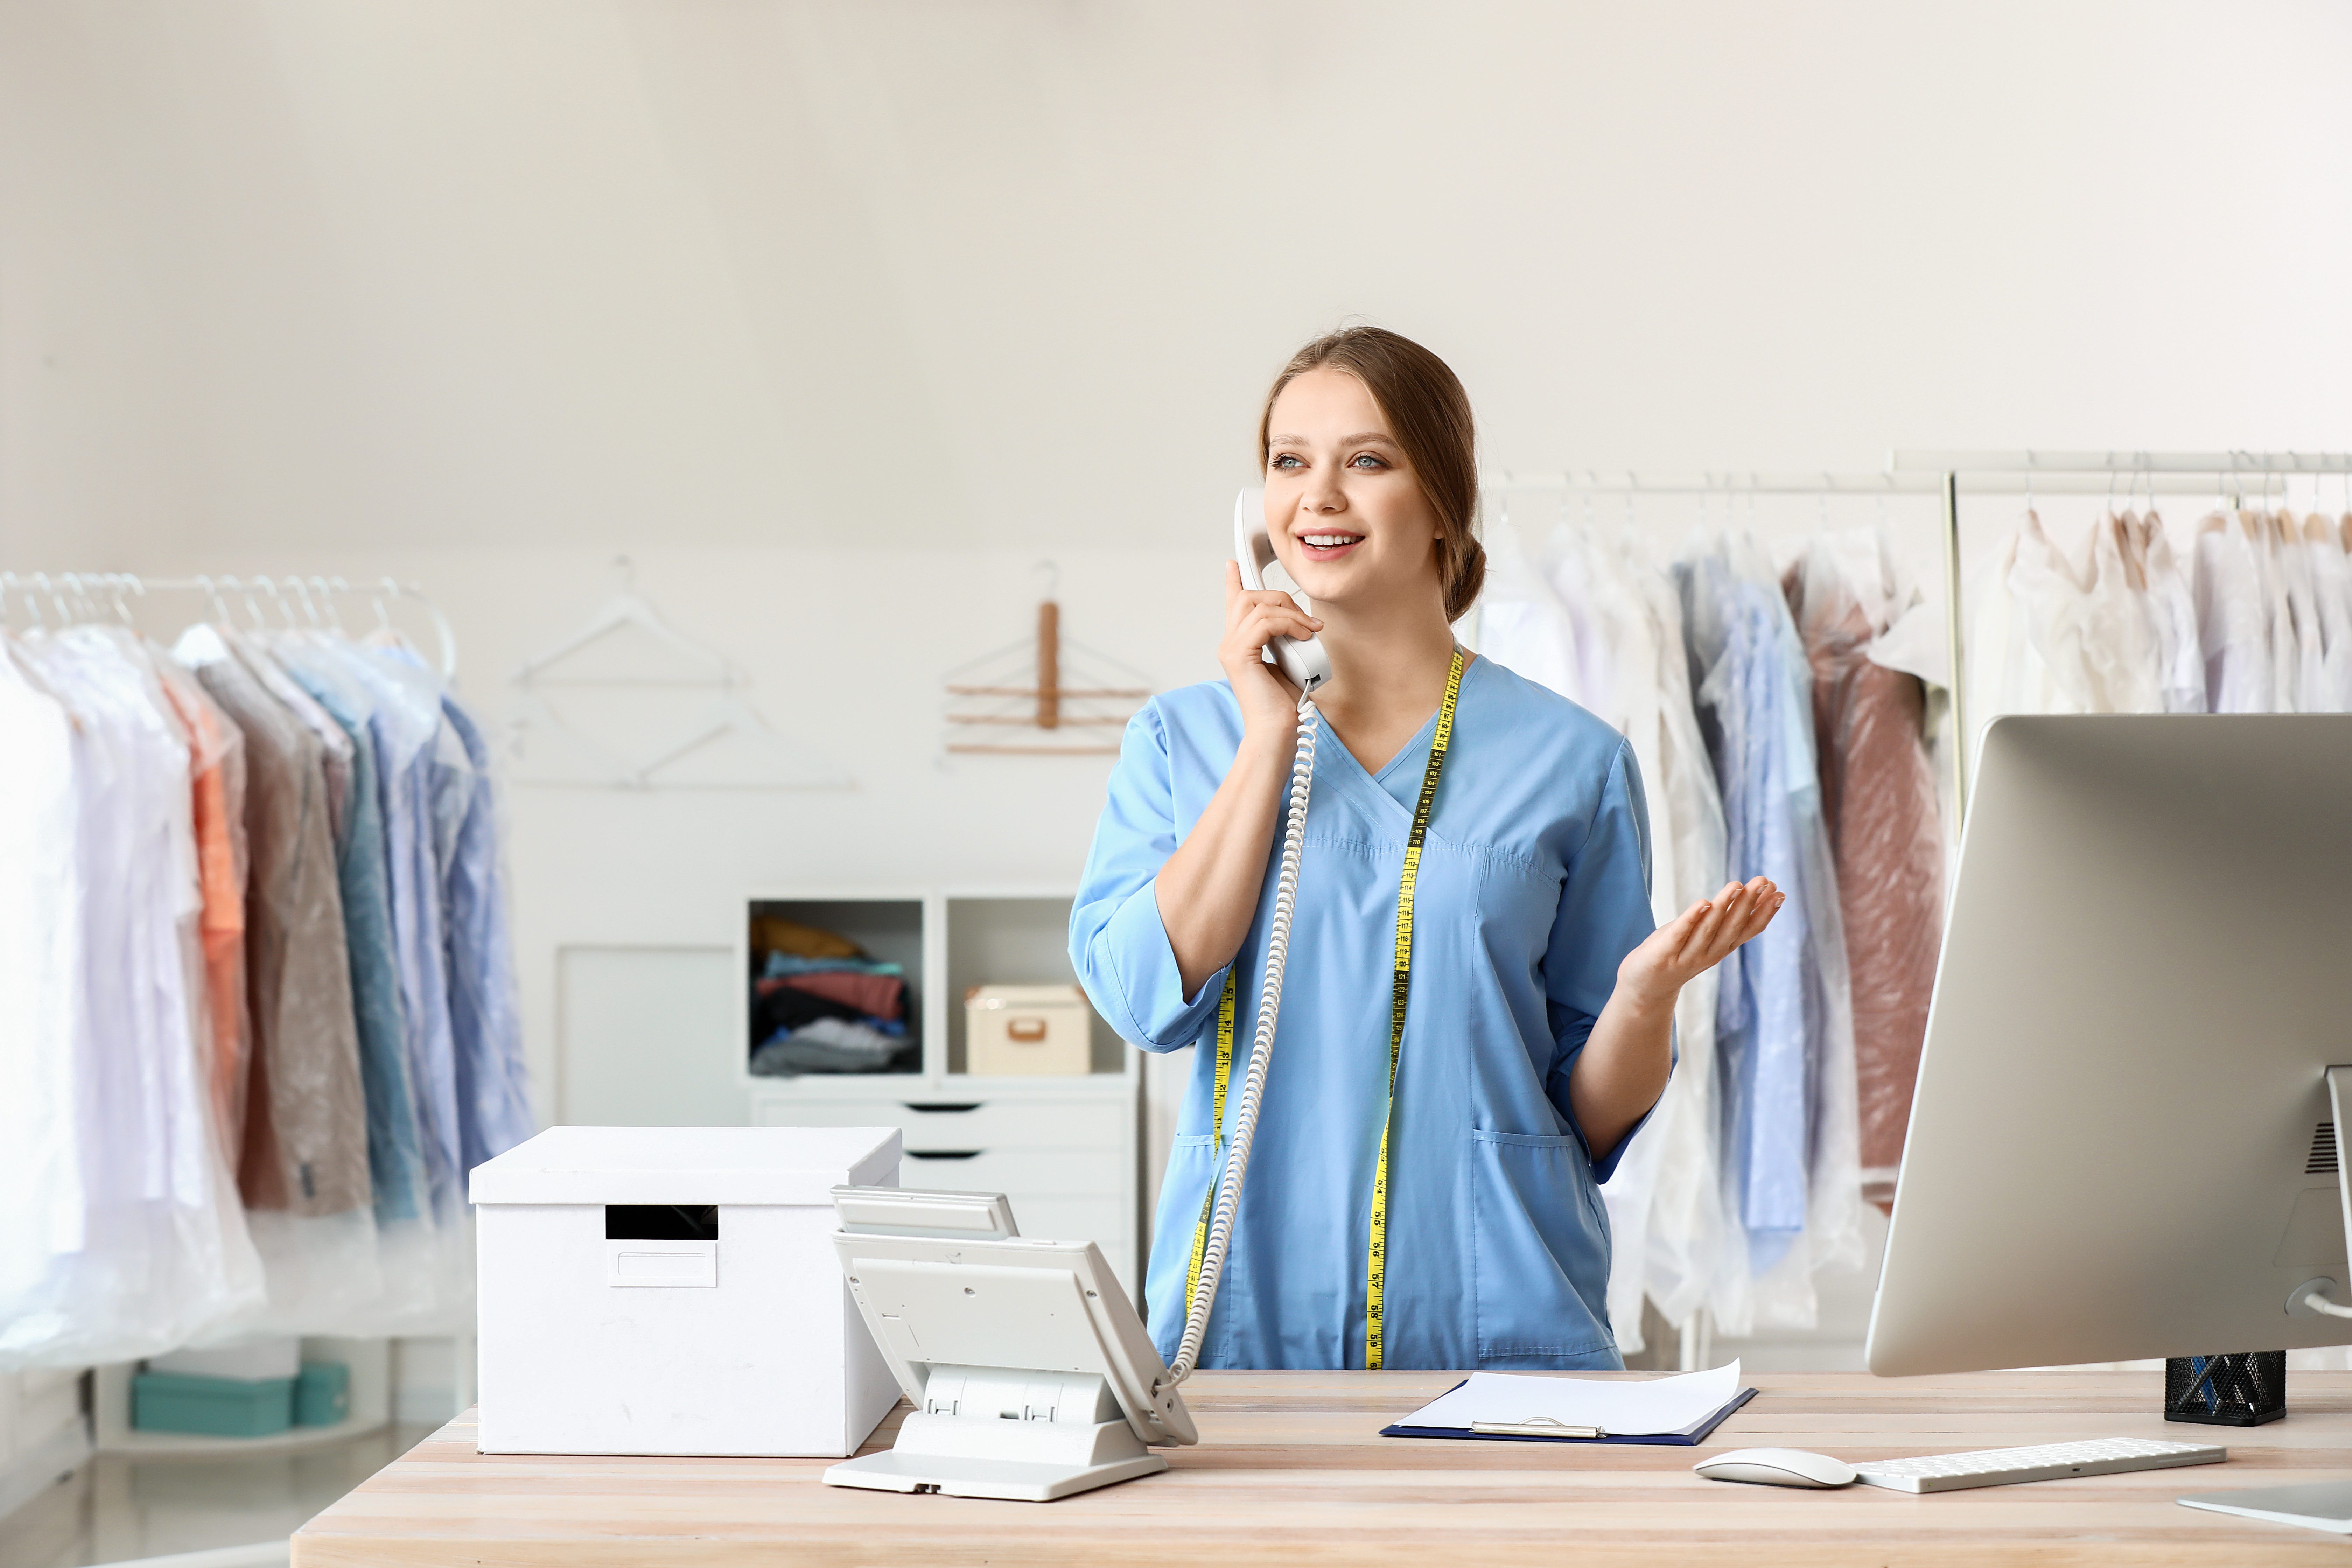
[1697, 939]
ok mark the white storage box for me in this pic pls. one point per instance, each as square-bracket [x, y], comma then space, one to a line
[1026, 1029]
[673, 1291]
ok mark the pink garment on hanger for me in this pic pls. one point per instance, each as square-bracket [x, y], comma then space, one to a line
[217, 748]
[1878, 794]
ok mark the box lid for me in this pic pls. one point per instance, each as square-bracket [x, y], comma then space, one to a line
[1029, 997]
[688, 1165]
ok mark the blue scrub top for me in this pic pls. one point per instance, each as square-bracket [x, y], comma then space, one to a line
[1534, 885]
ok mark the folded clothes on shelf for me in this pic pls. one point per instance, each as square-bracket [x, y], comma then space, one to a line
[819, 1005]
[833, 1045]
[876, 996]
[777, 965]
[774, 933]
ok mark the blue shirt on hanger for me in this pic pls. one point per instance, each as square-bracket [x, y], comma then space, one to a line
[1534, 885]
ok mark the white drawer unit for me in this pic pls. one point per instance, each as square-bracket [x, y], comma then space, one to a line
[1067, 1161]
[993, 1123]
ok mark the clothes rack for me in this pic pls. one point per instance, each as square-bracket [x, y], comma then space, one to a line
[1949, 475]
[2221, 479]
[1954, 474]
[62, 601]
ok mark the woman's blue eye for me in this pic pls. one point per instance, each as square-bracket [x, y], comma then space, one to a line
[1366, 458]
[1286, 461]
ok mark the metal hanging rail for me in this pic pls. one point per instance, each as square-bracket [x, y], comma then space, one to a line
[67, 591]
[1896, 481]
[1992, 465]
[1949, 475]
[2219, 474]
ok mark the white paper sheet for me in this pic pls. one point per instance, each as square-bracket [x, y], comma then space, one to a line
[1630, 1409]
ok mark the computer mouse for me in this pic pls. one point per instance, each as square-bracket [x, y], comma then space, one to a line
[1776, 1468]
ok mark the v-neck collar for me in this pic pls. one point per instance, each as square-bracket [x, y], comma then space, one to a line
[1349, 773]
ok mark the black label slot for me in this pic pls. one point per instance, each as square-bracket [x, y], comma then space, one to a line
[661, 1222]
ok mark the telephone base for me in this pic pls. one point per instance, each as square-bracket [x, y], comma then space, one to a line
[981, 1456]
[1016, 1481]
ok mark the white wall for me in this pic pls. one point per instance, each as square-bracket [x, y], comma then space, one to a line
[529, 272]
[837, 316]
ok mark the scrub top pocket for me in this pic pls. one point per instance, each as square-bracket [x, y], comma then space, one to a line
[1538, 1227]
[1193, 1163]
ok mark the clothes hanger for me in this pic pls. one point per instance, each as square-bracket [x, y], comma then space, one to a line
[328, 588]
[301, 591]
[2132, 542]
[125, 584]
[65, 615]
[629, 609]
[2249, 526]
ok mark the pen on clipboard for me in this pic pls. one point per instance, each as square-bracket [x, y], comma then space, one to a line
[1534, 1427]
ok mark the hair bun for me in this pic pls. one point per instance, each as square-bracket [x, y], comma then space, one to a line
[1463, 581]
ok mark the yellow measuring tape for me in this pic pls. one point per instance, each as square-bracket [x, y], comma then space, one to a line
[1216, 1138]
[1377, 1268]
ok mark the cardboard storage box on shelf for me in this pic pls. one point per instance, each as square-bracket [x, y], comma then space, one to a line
[1026, 1029]
[673, 1291]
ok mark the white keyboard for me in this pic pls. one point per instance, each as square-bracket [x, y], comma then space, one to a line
[2050, 1462]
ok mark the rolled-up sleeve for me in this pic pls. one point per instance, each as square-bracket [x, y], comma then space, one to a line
[1604, 914]
[1118, 943]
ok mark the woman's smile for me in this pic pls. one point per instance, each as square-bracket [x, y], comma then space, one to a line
[1327, 544]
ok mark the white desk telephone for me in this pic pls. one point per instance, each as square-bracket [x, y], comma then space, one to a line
[1030, 1376]
[1301, 659]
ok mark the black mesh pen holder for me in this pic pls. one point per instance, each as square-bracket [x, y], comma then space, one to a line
[2243, 1389]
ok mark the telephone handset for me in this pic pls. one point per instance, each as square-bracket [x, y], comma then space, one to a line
[1301, 659]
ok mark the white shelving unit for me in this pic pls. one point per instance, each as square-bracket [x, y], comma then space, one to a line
[1064, 1148]
[370, 1364]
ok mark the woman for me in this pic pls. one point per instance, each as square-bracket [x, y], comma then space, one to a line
[1537, 1017]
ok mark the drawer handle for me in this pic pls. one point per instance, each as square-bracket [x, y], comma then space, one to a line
[943, 1154]
[1028, 1031]
[940, 1105]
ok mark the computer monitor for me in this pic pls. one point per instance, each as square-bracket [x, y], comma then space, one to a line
[2121, 1144]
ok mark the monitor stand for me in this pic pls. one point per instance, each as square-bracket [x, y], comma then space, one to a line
[2314, 1505]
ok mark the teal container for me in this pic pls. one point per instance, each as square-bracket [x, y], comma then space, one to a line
[215, 1406]
[322, 1395]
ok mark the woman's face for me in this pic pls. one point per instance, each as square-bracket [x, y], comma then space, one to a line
[1342, 504]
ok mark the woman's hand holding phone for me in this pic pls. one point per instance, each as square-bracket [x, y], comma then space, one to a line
[1254, 618]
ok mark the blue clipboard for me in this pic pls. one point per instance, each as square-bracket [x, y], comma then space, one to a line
[1689, 1437]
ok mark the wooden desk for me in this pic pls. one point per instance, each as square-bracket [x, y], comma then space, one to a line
[1290, 1469]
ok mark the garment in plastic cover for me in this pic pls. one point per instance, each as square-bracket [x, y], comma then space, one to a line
[1784, 1022]
[304, 1166]
[1596, 620]
[406, 1224]
[1879, 798]
[125, 1233]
